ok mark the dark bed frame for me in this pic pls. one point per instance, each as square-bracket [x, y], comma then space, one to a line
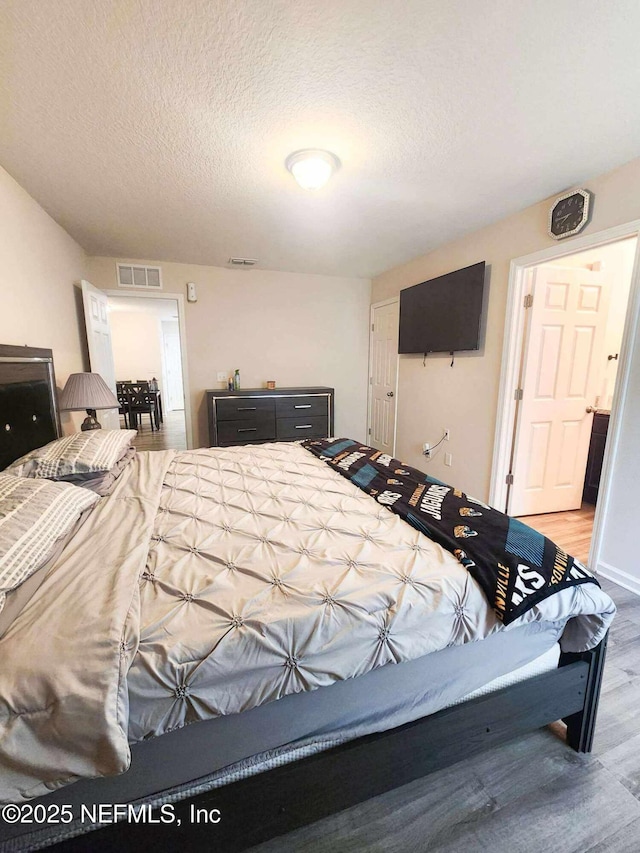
[29, 415]
[280, 800]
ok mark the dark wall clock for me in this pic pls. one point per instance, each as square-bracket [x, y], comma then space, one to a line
[570, 213]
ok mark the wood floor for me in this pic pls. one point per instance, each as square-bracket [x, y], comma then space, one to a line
[530, 796]
[171, 436]
[570, 530]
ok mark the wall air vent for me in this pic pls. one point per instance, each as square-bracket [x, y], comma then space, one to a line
[145, 278]
[243, 262]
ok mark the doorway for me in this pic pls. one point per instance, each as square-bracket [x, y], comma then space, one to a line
[563, 346]
[145, 340]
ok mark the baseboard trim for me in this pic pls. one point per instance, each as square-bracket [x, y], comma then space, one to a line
[623, 579]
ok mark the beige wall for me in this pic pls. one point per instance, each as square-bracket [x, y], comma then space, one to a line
[137, 348]
[465, 398]
[296, 329]
[39, 264]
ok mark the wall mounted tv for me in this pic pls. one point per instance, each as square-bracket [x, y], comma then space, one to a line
[443, 314]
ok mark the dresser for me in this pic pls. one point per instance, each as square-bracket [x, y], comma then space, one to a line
[255, 415]
[595, 459]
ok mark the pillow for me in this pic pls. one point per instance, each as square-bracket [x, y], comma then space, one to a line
[81, 453]
[16, 599]
[102, 482]
[34, 514]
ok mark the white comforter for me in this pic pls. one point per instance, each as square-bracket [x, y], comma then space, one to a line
[253, 572]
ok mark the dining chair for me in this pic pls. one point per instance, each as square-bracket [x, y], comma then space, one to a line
[124, 406]
[142, 402]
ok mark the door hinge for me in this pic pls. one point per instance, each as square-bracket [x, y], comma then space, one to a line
[369, 430]
[518, 394]
[373, 327]
[509, 479]
[528, 300]
[371, 380]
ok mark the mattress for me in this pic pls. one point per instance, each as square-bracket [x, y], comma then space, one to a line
[199, 757]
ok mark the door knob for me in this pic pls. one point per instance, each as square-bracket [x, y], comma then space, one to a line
[590, 409]
[389, 393]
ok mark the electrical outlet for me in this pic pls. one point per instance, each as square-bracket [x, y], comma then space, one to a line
[222, 376]
[426, 450]
[446, 434]
[448, 459]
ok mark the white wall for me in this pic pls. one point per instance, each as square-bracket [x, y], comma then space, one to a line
[39, 263]
[619, 552]
[135, 337]
[297, 329]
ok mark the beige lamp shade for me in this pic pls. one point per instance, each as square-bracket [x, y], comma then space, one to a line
[87, 391]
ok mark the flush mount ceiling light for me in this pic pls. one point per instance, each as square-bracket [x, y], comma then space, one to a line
[312, 167]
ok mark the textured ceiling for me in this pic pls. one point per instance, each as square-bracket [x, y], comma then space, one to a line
[158, 128]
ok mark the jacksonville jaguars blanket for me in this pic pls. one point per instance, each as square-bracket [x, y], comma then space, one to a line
[515, 566]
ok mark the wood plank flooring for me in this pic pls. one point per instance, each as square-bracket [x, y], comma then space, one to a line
[530, 796]
[171, 436]
[570, 530]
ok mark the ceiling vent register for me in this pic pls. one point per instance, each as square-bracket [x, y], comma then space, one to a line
[145, 278]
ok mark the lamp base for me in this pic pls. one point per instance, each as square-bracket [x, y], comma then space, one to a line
[90, 421]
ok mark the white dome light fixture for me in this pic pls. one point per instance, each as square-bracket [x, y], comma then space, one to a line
[312, 167]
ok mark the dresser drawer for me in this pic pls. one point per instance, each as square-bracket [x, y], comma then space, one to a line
[600, 424]
[242, 431]
[302, 427]
[307, 407]
[240, 408]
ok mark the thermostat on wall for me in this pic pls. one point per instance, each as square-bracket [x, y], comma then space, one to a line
[192, 296]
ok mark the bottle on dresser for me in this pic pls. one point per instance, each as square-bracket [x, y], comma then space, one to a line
[236, 381]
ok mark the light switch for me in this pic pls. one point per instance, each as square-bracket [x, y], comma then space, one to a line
[222, 376]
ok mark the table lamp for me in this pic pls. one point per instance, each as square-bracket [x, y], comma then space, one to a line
[87, 391]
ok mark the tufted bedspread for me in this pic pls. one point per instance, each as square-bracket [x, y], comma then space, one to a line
[212, 581]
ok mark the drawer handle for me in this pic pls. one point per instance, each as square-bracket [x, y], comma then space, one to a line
[246, 408]
[306, 406]
[249, 429]
[305, 426]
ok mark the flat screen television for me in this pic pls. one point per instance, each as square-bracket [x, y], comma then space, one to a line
[443, 314]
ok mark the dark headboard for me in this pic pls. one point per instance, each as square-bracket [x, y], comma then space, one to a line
[29, 415]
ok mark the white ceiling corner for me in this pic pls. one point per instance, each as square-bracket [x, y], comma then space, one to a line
[159, 128]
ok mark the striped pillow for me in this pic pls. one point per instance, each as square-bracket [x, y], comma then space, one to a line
[81, 453]
[33, 516]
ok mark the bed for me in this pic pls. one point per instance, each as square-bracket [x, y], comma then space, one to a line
[325, 650]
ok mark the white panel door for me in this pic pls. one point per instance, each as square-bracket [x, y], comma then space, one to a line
[96, 319]
[562, 374]
[383, 377]
[172, 363]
